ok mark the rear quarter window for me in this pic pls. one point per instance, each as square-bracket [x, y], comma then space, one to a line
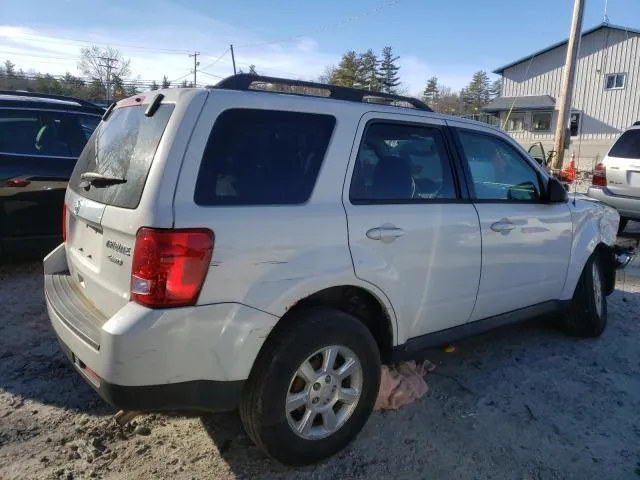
[627, 146]
[262, 157]
[124, 147]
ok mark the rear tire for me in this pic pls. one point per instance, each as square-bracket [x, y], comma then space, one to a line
[587, 316]
[623, 224]
[296, 383]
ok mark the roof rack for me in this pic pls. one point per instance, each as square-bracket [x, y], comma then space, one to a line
[245, 81]
[23, 93]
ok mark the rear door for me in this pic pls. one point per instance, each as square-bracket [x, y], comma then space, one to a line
[410, 232]
[623, 164]
[103, 218]
[38, 151]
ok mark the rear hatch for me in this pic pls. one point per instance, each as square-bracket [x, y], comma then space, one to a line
[623, 165]
[103, 201]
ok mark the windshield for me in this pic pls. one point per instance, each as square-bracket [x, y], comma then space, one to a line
[121, 147]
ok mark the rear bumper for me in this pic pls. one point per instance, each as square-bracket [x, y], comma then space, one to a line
[206, 395]
[628, 207]
[143, 359]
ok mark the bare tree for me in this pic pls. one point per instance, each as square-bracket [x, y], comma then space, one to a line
[103, 65]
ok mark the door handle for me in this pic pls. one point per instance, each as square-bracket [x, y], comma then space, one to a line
[503, 226]
[382, 233]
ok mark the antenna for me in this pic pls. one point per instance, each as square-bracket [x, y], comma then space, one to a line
[605, 16]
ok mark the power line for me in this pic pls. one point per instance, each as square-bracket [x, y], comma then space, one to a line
[216, 60]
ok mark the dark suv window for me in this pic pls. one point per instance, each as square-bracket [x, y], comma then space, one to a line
[627, 146]
[262, 157]
[122, 147]
[44, 133]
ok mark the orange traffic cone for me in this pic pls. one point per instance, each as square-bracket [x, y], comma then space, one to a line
[569, 173]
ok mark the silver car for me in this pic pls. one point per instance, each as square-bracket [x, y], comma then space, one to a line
[616, 181]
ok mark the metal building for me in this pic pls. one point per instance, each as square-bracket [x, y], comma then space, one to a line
[606, 97]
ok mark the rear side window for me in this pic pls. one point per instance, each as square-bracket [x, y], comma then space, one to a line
[262, 157]
[122, 147]
[44, 133]
[627, 146]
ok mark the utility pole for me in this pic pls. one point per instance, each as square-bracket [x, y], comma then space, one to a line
[233, 59]
[568, 79]
[196, 64]
[109, 64]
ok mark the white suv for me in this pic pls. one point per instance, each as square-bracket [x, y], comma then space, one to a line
[616, 180]
[244, 247]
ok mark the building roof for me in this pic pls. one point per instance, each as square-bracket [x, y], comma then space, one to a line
[537, 102]
[500, 70]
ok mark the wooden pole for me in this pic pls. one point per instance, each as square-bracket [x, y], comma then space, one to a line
[568, 80]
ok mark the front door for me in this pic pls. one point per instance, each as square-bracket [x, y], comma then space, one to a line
[526, 243]
[410, 233]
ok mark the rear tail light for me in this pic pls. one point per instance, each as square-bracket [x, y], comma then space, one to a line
[599, 178]
[64, 222]
[170, 266]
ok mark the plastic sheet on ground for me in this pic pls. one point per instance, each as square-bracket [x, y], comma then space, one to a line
[402, 384]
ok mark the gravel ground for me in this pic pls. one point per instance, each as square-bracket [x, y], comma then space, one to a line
[523, 402]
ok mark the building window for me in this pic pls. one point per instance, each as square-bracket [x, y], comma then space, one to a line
[541, 121]
[615, 81]
[515, 123]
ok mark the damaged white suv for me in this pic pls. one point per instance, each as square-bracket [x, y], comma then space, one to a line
[266, 244]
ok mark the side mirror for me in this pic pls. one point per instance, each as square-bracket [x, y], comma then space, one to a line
[556, 191]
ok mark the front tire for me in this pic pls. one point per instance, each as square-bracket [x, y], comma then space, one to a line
[312, 388]
[587, 316]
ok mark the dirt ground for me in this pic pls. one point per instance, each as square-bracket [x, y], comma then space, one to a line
[523, 402]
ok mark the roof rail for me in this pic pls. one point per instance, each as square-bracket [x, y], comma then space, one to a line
[23, 93]
[244, 81]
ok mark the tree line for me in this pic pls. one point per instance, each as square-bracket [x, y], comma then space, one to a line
[366, 70]
[382, 74]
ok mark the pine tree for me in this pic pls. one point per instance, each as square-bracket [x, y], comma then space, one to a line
[496, 89]
[346, 75]
[476, 94]
[367, 76]
[252, 70]
[165, 82]
[9, 68]
[431, 91]
[154, 86]
[118, 88]
[389, 71]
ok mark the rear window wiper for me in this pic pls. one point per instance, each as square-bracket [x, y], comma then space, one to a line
[99, 180]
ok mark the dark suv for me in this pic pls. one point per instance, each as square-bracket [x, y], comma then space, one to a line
[41, 137]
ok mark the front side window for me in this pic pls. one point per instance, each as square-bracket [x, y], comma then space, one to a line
[399, 163]
[41, 133]
[615, 81]
[262, 157]
[498, 171]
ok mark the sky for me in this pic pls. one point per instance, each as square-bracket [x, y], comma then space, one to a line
[450, 39]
